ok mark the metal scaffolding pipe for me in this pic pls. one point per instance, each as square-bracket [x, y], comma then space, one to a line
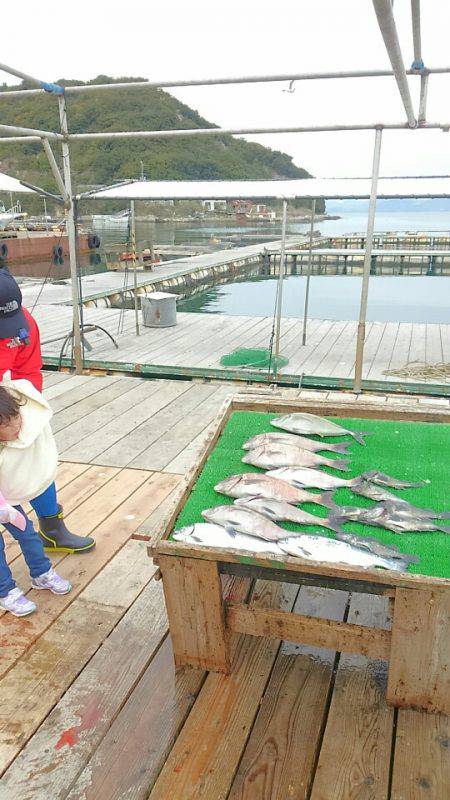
[423, 98]
[386, 22]
[71, 235]
[133, 251]
[367, 261]
[415, 14]
[54, 168]
[308, 274]
[389, 126]
[279, 302]
[30, 131]
[182, 83]
[44, 86]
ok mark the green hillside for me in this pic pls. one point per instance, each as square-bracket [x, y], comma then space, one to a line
[103, 162]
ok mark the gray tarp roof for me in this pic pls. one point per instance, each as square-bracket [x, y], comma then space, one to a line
[308, 188]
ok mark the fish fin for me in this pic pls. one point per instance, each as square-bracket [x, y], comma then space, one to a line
[339, 463]
[326, 499]
[334, 523]
[341, 447]
[359, 436]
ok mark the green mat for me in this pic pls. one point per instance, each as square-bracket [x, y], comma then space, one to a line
[407, 450]
[254, 358]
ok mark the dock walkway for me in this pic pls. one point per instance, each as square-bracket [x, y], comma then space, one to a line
[195, 345]
[102, 285]
[91, 706]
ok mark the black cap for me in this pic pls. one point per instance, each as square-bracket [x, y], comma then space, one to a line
[12, 318]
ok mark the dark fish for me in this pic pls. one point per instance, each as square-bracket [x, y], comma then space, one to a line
[373, 492]
[385, 515]
[381, 479]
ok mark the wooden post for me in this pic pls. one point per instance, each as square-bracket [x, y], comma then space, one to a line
[194, 601]
[419, 667]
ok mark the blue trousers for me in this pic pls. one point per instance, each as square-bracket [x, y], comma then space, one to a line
[45, 505]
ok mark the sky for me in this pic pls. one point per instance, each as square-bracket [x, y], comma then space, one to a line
[208, 38]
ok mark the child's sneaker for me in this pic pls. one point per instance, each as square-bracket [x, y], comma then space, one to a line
[16, 603]
[51, 580]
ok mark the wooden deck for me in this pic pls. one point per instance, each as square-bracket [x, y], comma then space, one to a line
[91, 706]
[198, 341]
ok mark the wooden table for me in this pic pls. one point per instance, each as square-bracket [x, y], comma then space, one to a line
[202, 621]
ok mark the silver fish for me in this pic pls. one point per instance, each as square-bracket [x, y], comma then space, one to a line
[272, 456]
[279, 511]
[366, 489]
[321, 548]
[243, 520]
[375, 546]
[277, 437]
[258, 484]
[313, 478]
[210, 535]
[311, 424]
[385, 516]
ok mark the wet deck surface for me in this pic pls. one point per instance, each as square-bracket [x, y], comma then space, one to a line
[91, 706]
[199, 341]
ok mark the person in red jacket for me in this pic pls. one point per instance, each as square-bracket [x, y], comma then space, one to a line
[21, 358]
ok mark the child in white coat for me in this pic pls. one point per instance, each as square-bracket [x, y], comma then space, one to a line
[28, 463]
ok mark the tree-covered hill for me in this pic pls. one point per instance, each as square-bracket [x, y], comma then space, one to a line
[103, 162]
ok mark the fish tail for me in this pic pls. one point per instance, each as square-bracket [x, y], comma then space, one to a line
[402, 564]
[334, 523]
[341, 448]
[326, 499]
[339, 463]
[443, 528]
[443, 515]
[359, 436]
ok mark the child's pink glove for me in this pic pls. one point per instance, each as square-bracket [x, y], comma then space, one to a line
[9, 514]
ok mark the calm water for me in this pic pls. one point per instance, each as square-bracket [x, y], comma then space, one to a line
[395, 299]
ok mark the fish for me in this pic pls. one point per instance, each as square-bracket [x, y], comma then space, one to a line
[381, 479]
[210, 535]
[303, 477]
[385, 515]
[242, 520]
[311, 424]
[375, 546]
[251, 483]
[322, 548]
[272, 456]
[279, 511]
[379, 494]
[277, 437]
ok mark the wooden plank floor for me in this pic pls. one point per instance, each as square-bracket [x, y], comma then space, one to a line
[91, 707]
[199, 340]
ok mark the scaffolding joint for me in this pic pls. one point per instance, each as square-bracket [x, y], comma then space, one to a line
[52, 88]
[419, 66]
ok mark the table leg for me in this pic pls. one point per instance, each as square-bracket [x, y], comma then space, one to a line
[194, 601]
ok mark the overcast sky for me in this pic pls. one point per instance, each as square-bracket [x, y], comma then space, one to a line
[207, 38]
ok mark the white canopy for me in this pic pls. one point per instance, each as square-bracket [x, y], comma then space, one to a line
[308, 188]
[8, 184]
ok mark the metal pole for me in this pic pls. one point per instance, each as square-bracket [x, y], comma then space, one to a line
[71, 235]
[391, 126]
[133, 250]
[423, 98]
[54, 168]
[29, 131]
[280, 286]
[386, 22]
[308, 275]
[237, 79]
[367, 261]
[45, 213]
[415, 13]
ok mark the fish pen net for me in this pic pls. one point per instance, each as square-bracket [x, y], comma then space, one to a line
[255, 358]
